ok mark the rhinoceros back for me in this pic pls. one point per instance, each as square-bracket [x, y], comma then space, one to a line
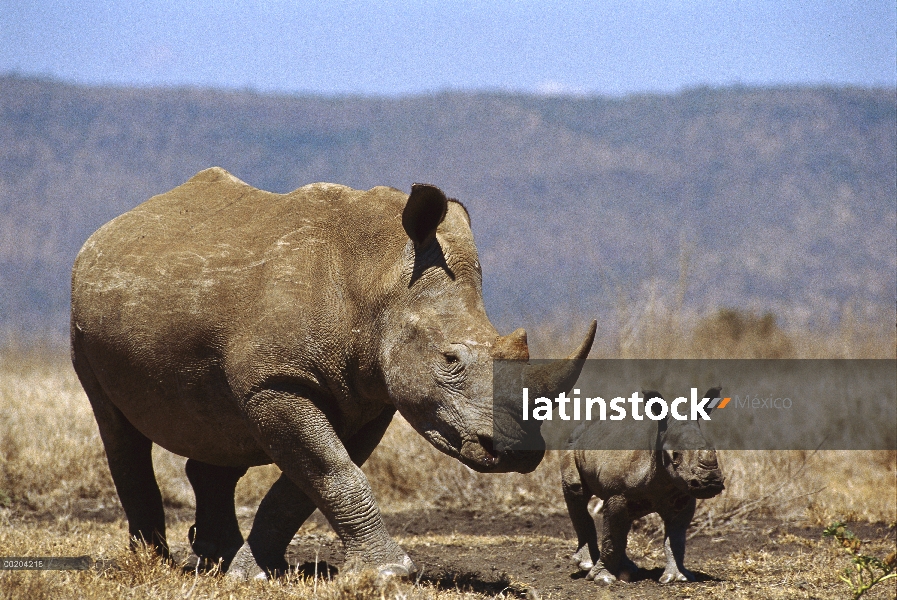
[201, 252]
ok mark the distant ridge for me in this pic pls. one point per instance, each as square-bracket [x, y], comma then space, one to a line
[781, 198]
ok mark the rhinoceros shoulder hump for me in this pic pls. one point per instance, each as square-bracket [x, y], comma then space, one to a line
[322, 187]
[216, 174]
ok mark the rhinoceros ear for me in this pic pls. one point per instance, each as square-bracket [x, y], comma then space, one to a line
[424, 211]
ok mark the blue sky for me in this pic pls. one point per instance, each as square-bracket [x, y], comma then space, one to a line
[412, 47]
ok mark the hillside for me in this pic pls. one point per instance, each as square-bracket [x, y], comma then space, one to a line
[780, 199]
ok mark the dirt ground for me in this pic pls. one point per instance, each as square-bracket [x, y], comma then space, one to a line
[527, 556]
[461, 554]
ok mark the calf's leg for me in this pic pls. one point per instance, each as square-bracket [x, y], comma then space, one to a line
[577, 496]
[675, 526]
[612, 560]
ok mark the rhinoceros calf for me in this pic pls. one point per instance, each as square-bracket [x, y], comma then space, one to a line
[238, 327]
[674, 465]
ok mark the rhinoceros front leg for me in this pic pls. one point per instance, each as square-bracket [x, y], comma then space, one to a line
[675, 526]
[319, 471]
[577, 496]
[216, 534]
[613, 563]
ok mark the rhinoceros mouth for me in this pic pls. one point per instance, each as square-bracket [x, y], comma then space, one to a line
[479, 453]
[706, 489]
[488, 448]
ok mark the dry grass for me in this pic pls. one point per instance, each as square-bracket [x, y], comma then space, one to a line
[795, 485]
[790, 567]
[651, 329]
[142, 574]
[53, 476]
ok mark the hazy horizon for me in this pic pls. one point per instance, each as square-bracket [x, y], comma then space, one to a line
[414, 48]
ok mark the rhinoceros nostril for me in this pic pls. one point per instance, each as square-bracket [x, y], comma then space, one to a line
[707, 459]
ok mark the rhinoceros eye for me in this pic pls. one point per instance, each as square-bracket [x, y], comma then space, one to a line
[455, 357]
[677, 458]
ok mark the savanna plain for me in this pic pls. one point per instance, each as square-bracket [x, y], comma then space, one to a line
[473, 536]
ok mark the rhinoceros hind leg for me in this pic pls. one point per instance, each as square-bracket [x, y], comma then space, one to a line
[129, 454]
[216, 534]
[283, 510]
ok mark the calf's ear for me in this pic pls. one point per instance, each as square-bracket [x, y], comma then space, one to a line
[424, 211]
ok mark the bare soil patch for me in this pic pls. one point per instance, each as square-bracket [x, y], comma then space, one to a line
[528, 556]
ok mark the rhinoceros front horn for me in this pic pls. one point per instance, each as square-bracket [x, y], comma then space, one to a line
[558, 376]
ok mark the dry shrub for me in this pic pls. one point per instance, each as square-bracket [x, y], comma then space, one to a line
[172, 480]
[857, 334]
[31, 584]
[732, 333]
[52, 460]
[253, 486]
[658, 327]
[859, 486]
[51, 455]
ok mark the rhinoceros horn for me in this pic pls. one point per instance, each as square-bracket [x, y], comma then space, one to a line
[549, 379]
[511, 347]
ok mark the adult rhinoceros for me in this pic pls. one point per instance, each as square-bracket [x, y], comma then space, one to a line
[239, 327]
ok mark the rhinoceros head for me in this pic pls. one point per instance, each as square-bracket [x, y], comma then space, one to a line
[688, 457]
[438, 345]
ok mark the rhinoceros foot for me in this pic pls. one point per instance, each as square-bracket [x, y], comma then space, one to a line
[582, 558]
[676, 575]
[602, 575]
[599, 574]
[402, 571]
[244, 566]
[214, 550]
[388, 565]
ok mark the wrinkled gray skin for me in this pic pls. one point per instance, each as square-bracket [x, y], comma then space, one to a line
[676, 466]
[238, 327]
